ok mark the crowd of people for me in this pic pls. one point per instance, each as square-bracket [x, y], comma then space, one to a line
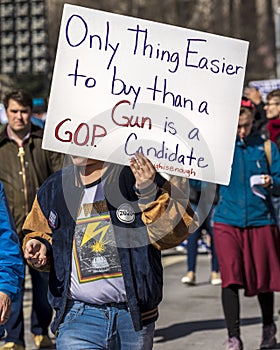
[96, 272]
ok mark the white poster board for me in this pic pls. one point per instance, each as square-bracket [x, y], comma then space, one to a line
[265, 86]
[123, 85]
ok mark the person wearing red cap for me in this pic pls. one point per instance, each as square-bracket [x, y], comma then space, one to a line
[255, 96]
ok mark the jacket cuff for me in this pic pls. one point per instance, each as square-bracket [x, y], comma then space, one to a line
[46, 242]
[148, 194]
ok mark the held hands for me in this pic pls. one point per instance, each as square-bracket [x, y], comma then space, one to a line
[143, 170]
[35, 253]
[5, 307]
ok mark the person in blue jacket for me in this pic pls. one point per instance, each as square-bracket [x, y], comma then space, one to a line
[99, 228]
[11, 261]
[247, 238]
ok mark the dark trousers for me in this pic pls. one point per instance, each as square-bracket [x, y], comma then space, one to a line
[41, 314]
[231, 307]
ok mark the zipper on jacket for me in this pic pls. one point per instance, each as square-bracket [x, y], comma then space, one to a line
[21, 155]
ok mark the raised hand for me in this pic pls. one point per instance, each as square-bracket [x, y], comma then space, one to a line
[143, 170]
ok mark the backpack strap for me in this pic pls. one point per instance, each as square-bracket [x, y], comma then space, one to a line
[267, 150]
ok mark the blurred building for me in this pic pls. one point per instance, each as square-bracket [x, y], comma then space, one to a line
[23, 40]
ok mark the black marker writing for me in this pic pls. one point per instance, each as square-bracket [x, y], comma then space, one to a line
[77, 24]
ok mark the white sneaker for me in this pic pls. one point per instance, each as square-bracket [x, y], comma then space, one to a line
[189, 278]
[180, 249]
[215, 279]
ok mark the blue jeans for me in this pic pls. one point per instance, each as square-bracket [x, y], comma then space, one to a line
[2, 331]
[192, 245]
[41, 314]
[87, 326]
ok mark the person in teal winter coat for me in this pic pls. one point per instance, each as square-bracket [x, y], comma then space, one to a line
[246, 235]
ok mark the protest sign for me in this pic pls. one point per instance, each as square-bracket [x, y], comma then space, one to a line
[123, 85]
[265, 86]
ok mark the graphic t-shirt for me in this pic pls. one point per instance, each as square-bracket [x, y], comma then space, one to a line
[96, 275]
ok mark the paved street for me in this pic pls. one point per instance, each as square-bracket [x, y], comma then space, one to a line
[191, 317]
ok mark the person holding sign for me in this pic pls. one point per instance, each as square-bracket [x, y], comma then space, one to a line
[255, 97]
[99, 229]
[247, 237]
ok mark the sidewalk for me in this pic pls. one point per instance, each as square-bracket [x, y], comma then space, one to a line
[27, 310]
[191, 317]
